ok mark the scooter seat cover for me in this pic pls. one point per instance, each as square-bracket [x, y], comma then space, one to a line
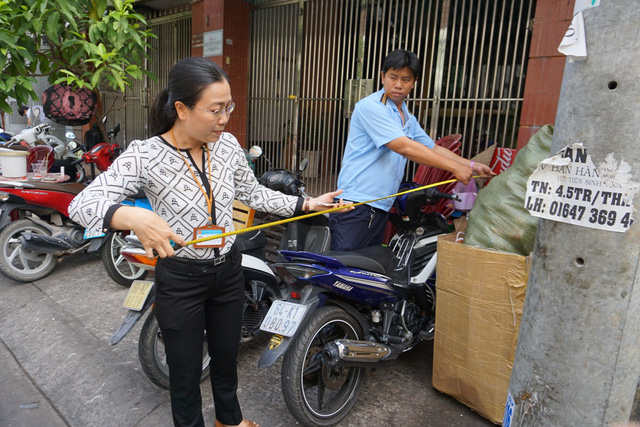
[251, 240]
[73, 188]
[377, 259]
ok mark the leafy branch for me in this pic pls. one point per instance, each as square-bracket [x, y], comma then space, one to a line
[93, 44]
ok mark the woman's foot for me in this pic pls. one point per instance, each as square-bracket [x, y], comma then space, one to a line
[244, 423]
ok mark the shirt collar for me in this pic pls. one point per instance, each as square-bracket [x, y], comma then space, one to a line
[382, 97]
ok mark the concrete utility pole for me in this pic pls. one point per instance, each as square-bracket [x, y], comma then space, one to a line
[578, 357]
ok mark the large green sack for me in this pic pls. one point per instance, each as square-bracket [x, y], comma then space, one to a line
[499, 219]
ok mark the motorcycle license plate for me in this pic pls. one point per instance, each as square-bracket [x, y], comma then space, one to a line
[283, 318]
[137, 295]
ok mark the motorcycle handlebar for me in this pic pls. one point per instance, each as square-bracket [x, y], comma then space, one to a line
[76, 162]
[435, 194]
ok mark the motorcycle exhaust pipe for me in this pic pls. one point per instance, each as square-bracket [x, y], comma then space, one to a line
[41, 243]
[358, 353]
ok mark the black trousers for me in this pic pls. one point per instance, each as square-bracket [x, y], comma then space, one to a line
[363, 226]
[192, 296]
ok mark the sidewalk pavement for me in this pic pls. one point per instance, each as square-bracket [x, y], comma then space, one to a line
[57, 368]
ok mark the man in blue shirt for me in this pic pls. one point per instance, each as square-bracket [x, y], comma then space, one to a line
[383, 134]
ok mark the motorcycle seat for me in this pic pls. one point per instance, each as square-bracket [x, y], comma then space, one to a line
[377, 259]
[64, 187]
[71, 188]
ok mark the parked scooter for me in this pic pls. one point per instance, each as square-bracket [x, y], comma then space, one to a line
[65, 153]
[348, 311]
[35, 229]
[262, 286]
[66, 156]
[30, 137]
[117, 266]
[99, 154]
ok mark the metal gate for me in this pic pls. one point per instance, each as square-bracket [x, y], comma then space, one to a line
[132, 110]
[311, 60]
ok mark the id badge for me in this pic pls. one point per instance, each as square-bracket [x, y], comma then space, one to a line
[208, 231]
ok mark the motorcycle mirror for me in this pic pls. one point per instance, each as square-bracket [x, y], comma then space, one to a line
[304, 163]
[70, 135]
[255, 152]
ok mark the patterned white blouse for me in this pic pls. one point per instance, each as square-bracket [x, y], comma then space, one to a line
[155, 166]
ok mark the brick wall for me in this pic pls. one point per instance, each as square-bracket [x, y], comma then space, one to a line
[232, 17]
[545, 68]
[236, 63]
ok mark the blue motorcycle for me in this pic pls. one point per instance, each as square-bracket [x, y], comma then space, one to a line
[349, 311]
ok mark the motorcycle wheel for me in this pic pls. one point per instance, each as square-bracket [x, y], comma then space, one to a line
[80, 174]
[21, 264]
[118, 268]
[316, 393]
[153, 358]
[75, 172]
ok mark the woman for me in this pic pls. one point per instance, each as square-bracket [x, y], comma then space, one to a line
[191, 171]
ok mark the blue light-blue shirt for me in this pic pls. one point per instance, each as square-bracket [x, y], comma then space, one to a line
[370, 170]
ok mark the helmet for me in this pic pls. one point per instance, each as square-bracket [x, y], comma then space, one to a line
[281, 180]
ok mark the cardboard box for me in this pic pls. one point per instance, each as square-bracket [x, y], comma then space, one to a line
[480, 295]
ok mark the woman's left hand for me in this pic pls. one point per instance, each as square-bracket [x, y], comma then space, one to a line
[326, 201]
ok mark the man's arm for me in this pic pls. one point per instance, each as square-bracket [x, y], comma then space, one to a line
[438, 157]
[479, 168]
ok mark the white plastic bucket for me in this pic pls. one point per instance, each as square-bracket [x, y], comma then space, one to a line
[13, 163]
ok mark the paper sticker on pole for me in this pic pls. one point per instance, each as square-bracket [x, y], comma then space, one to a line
[569, 187]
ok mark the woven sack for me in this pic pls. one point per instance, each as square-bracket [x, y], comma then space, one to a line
[68, 106]
[499, 219]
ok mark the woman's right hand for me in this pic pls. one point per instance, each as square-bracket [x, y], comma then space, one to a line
[153, 231]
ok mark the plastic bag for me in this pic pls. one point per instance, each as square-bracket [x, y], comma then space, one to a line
[499, 219]
[467, 194]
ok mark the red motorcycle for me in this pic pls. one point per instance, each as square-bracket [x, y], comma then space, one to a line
[36, 230]
[100, 154]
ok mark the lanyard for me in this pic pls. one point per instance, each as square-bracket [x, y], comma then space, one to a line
[208, 198]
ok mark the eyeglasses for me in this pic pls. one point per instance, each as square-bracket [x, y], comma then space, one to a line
[219, 112]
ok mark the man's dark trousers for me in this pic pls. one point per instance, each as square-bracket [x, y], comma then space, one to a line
[364, 226]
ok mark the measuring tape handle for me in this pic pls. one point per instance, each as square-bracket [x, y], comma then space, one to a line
[174, 245]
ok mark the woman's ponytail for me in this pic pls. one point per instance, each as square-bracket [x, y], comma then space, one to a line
[162, 115]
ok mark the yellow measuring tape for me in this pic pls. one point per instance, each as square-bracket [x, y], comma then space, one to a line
[287, 220]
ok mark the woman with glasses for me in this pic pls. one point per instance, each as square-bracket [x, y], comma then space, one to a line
[191, 171]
